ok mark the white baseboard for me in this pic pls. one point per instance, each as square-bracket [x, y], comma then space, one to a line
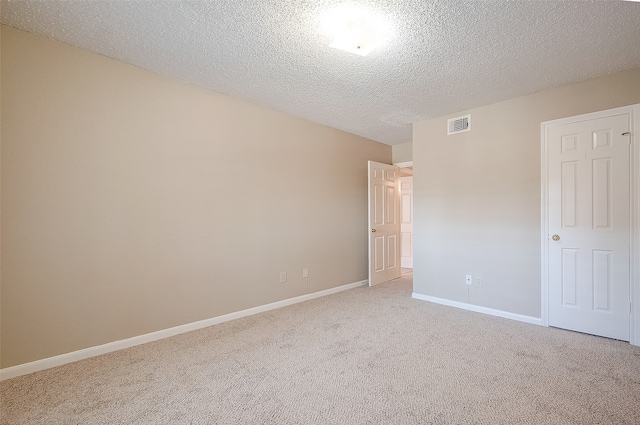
[38, 365]
[479, 309]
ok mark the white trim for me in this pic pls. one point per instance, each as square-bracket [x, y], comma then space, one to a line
[544, 225]
[369, 227]
[479, 309]
[406, 164]
[633, 111]
[634, 337]
[38, 365]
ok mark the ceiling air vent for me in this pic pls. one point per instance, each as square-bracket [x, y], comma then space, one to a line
[459, 124]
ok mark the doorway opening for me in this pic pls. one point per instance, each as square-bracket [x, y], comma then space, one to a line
[406, 216]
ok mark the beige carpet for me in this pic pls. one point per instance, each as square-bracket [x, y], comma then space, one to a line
[364, 356]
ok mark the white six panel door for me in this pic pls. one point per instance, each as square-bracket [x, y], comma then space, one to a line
[589, 227]
[384, 224]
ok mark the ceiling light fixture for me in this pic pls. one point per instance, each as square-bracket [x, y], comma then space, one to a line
[355, 29]
[356, 37]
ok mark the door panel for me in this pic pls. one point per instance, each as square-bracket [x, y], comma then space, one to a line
[391, 205]
[384, 226]
[601, 280]
[392, 248]
[589, 207]
[569, 277]
[378, 263]
[569, 177]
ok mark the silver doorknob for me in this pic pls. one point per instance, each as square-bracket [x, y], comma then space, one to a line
[373, 230]
[555, 237]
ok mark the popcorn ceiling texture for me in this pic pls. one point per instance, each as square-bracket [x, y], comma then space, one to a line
[441, 56]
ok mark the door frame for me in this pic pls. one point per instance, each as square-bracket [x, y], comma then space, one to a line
[633, 111]
[406, 164]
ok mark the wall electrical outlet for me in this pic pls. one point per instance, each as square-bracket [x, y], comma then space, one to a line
[283, 277]
[469, 279]
[478, 281]
[305, 273]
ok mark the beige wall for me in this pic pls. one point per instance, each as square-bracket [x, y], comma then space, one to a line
[477, 194]
[402, 153]
[132, 202]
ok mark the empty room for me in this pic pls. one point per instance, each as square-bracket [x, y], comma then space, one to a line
[319, 212]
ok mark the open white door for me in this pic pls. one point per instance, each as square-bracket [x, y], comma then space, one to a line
[384, 223]
[589, 225]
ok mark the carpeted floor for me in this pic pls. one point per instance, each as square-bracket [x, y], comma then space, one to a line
[364, 356]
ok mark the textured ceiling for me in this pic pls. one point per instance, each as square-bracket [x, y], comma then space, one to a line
[440, 56]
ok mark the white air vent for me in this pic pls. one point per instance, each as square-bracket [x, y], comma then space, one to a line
[459, 124]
